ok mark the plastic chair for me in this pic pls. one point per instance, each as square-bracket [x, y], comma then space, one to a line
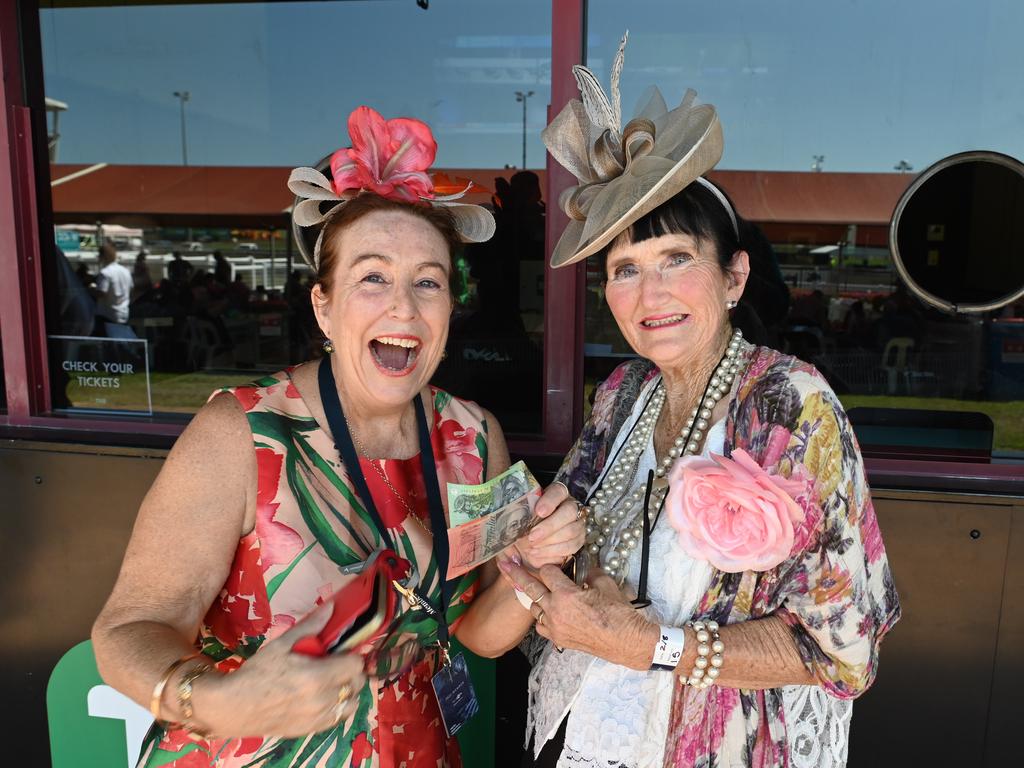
[895, 362]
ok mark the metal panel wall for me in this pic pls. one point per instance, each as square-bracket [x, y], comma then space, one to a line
[65, 518]
[932, 700]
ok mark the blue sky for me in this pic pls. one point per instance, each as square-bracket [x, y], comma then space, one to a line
[864, 82]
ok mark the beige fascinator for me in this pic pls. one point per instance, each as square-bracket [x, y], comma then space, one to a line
[625, 172]
[389, 158]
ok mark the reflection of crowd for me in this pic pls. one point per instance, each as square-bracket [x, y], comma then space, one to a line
[858, 323]
[494, 341]
[191, 308]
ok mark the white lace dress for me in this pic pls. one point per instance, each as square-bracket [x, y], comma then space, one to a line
[618, 717]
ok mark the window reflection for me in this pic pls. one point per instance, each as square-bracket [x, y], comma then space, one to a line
[172, 142]
[821, 141]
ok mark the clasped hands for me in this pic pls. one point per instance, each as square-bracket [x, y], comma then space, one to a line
[596, 618]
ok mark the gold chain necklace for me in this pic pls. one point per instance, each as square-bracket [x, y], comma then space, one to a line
[384, 478]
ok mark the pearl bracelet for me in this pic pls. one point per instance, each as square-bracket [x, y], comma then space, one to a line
[710, 650]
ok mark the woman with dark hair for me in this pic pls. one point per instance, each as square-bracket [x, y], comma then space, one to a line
[279, 492]
[728, 643]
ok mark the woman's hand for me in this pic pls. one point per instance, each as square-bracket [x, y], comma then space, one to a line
[280, 693]
[597, 619]
[561, 532]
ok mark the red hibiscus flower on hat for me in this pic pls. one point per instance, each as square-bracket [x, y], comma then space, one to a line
[388, 157]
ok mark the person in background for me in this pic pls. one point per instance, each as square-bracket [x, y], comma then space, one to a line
[83, 274]
[222, 269]
[140, 275]
[112, 288]
[179, 271]
[77, 306]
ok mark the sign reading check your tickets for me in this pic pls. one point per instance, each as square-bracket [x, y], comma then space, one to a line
[101, 374]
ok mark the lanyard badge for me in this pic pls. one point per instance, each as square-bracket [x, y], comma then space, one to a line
[452, 684]
[453, 688]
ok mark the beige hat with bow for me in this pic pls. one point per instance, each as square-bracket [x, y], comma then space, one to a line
[624, 173]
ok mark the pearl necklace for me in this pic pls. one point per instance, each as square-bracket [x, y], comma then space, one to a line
[610, 504]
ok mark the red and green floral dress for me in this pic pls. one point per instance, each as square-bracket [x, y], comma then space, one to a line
[310, 524]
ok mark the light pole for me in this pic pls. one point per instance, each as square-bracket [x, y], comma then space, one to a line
[819, 160]
[521, 96]
[903, 166]
[183, 96]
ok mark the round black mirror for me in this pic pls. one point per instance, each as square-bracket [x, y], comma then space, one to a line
[305, 237]
[957, 234]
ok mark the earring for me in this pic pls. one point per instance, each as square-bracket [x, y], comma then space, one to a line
[328, 347]
[444, 354]
[730, 304]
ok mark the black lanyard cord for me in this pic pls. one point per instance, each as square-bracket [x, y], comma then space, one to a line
[438, 524]
[645, 549]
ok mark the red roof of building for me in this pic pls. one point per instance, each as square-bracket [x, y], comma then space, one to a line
[814, 198]
[258, 196]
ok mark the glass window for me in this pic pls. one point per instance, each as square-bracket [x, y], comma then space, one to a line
[829, 111]
[172, 132]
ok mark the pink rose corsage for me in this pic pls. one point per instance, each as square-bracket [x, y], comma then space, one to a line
[732, 513]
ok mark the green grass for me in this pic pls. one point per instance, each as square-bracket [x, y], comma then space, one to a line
[173, 392]
[1007, 416]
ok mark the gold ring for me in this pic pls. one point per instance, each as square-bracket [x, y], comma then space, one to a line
[582, 512]
[540, 617]
[538, 599]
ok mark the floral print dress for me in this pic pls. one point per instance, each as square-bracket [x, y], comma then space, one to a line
[310, 524]
[835, 590]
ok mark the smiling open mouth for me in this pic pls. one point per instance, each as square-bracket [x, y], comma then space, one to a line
[661, 322]
[394, 355]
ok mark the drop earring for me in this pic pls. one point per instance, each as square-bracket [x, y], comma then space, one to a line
[328, 347]
[730, 304]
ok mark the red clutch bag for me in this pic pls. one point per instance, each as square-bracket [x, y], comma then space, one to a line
[362, 608]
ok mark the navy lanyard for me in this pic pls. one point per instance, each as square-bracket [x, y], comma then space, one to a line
[438, 524]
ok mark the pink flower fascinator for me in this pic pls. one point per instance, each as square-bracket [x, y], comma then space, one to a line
[390, 158]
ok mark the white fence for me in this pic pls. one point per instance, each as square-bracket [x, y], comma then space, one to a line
[271, 273]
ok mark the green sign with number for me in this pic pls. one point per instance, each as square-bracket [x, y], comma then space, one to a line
[91, 724]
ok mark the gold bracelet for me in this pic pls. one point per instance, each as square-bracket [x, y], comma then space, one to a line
[185, 697]
[158, 689]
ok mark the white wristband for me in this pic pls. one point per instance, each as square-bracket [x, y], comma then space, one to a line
[669, 648]
[524, 599]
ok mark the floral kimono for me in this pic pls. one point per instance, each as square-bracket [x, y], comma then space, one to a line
[835, 590]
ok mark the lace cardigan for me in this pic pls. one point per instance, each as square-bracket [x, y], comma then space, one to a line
[835, 591]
